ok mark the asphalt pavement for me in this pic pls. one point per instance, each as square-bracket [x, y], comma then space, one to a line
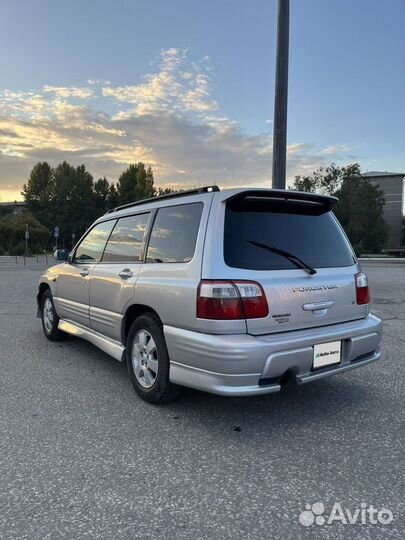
[82, 457]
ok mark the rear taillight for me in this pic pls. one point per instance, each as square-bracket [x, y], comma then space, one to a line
[227, 300]
[362, 291]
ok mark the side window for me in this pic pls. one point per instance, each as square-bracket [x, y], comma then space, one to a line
[127, 239]
[91, 247]
[174, 233]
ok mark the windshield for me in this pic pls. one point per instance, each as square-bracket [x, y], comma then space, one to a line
[317, 240]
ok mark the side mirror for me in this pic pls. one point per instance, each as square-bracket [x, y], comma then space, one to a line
[61, 254]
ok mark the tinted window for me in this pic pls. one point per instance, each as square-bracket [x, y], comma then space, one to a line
[127, 239]
[317, 240]
[92, 246]
[174, 233]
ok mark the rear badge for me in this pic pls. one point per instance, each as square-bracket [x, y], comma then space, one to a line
[316, 288]
[281, 317]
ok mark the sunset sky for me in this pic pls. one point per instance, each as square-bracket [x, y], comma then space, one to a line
[188, 87]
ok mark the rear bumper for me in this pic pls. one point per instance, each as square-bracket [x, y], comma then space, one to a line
[242, 364]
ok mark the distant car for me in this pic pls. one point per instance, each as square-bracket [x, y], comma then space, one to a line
[234, 292]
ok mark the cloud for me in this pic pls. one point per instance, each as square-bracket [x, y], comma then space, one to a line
[69, 91]
[171, 87]
[169, 119]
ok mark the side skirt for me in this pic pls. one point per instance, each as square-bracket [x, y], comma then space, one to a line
[109, 346]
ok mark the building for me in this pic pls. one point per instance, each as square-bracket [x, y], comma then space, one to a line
[392, 184]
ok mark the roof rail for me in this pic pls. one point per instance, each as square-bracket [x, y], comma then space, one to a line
[195, 191]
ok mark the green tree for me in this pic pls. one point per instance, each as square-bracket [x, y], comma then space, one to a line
[101, 191]
[135, 183]
[360, 211]
[326, 180]
[72, 207]
[360, 206]
[68, 197]
[306, 183]
[12, 235]
[164, 191]
[113, 197]
[37, 192]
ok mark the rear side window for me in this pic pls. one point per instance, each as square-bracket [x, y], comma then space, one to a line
[317, 240]
[91, 247]
[127, 239]
[174, 233]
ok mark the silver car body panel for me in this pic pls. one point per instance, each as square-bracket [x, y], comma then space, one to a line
[234, 364]
[109, 346]
[72, 292]
[227, 357]
[109, 294]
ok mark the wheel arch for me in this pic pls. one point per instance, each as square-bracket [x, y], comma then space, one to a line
[41, 289]
[133, 312]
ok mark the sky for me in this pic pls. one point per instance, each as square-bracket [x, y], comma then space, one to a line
[187, 86]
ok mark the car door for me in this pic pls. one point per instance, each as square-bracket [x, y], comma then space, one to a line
[113, 279]
[72, 285]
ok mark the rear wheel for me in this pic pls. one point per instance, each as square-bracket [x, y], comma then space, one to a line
[148, 360]
[50, 318]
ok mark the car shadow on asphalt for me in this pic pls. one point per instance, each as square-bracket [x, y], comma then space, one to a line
[321, 401]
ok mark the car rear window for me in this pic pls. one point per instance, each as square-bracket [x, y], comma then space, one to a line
[174, 234]
[315, 239]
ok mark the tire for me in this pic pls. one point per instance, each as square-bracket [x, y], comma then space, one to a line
[50, 318]
[148, 361]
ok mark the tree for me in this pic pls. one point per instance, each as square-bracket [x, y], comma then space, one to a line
[360, 211]
[164, 191]
[135, 183]
[101, 191]
[37, 191]
[68, 197]
[113, 197]
[12, 235]
[72, 207]
[326, 180]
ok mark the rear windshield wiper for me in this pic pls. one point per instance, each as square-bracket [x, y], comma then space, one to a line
[299, 263]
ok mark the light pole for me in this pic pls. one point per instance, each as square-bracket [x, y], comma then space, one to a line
[281, 94]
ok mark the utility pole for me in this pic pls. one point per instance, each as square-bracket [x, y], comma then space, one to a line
[281, 95]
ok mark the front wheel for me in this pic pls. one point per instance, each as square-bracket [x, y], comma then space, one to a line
[50, 318]
[148, 361]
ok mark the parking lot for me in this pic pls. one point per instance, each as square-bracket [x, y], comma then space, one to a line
[81, 456]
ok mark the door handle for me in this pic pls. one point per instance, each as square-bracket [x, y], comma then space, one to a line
[125, 274]
[317, 305]
[84, 272]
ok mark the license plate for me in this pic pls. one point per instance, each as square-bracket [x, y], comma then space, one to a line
[326, 354]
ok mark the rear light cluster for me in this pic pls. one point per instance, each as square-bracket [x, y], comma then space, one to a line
[228, 300]
[362, 291]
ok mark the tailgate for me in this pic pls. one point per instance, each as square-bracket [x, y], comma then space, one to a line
[298, 301]
[292, 244]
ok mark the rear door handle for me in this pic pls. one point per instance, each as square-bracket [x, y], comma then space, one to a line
[84, 272]
[317, 305]
[125, 274]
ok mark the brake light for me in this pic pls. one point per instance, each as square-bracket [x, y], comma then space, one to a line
[362, 290]
[228, 300]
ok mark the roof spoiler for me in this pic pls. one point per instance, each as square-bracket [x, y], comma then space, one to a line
[287, 200]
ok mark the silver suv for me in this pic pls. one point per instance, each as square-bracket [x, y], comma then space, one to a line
[234, 292]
